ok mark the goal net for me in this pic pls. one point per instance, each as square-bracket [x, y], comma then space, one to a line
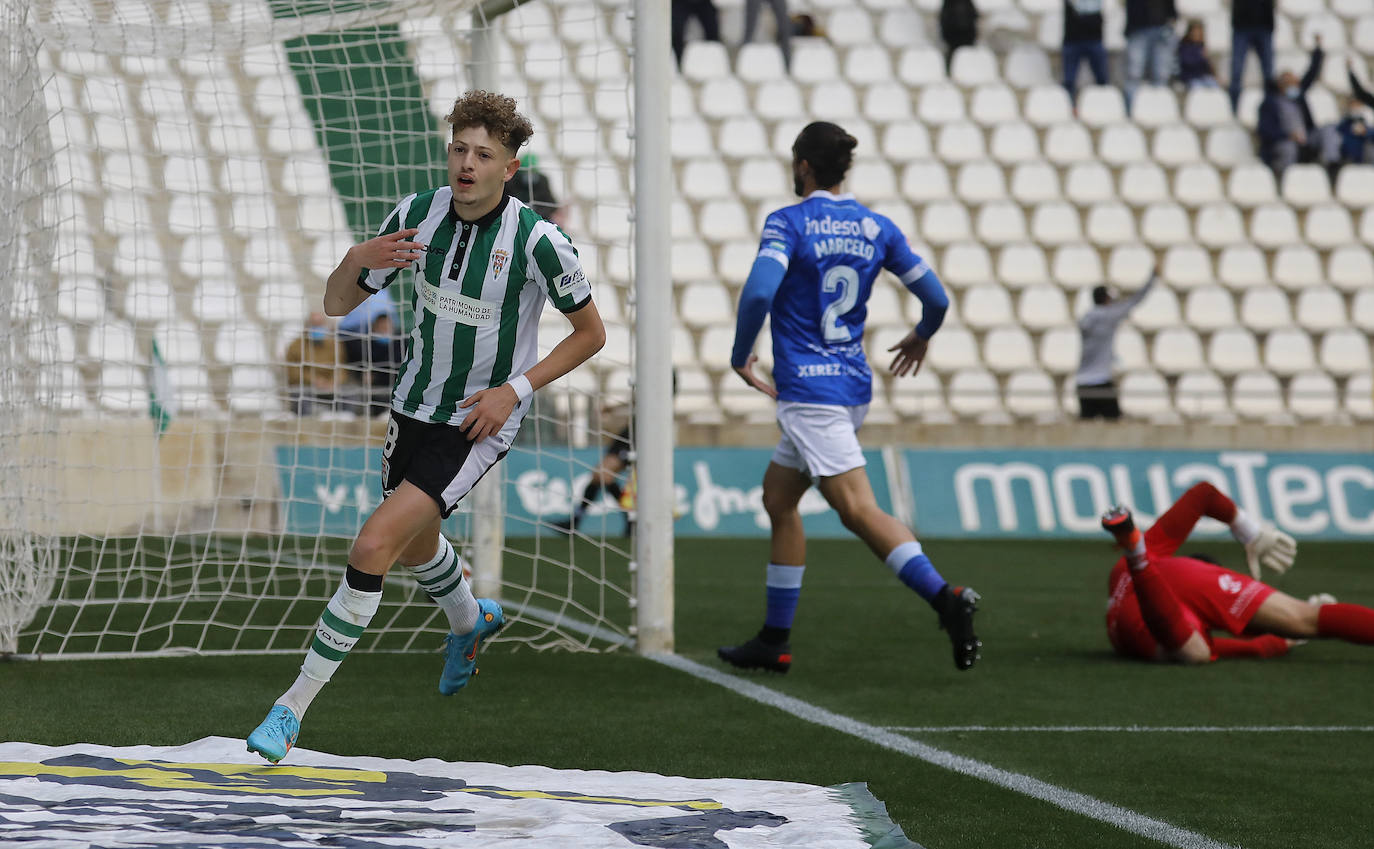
[184, 472]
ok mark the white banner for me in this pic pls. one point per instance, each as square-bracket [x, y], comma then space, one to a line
[212, 793]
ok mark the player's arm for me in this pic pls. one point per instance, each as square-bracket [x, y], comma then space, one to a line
[755, 300]
[919, 279]
[347, 285]
[490, 408]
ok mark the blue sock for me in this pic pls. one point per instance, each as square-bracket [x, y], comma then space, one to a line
[783, 592]
[915, 570]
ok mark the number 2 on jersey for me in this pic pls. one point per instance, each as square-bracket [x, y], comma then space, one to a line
[845, 280]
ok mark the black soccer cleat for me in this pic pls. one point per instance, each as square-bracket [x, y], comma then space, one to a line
[1118, 522]
[756, 654]
[957, 606]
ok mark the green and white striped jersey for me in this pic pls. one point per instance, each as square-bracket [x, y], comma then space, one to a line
[478, 295]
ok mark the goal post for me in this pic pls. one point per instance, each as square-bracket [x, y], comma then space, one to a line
[171, 201]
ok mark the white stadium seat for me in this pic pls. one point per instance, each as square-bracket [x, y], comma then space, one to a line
[986, 306]
[1273, 225]
[1143, 183]
[1022, 265]
[961, 141]
[1076, 266]
[1257, 395]
[979, 182]
[1166, 224]
[1067, 143]
[724, 97]
[814, 61]
[1089, 182]
[1027, 66]
[1158, 311]
[973, 393]
[1265, 308]
[973, 66]
[1121, 143]
[834, 98]
[1034, 181]
[1312, 396]
[872, 180]
[1218, 225]
[1288, 351]
[1242, 266]
[705, 304]
[1001, 222]
[1297, 267]
[1060, 350]
[1350, 267]
[886, 102]
[1209, 308]
[1355, 185]
[1111, 224]
[761, 178]
[1154, 106]
[1042, 306]
[1176, 145]
[993, 105]
[953, 348]
[904, 141]
[1359, 397]
[758, 63]
[940, 103]
[1344, 351]
[692, 262]
[1008, 348]
[1055, 223]
[775, 100]
[1187, 266]
[1328, 225]
[902, 27]
[1032, 394]
[1145, 394]
[921, 66]
[1130, 265]
[1305, 184]
[722, 220]
[1177, 350]
[924, 181]
[1197, 184]
[1048, 104]
[851, 27]
[1251, 184]
[1101, 105]
[945, 222]
[123, 388]
[1229, 145]
[1201, 395]
[1232, 351]
[1205, 108]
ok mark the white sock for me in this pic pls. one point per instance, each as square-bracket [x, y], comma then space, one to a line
[1135, 554]
[442, 580]
[341, 625]
[1244, 527]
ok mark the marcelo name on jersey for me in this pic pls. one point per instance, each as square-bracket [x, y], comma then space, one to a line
[831, 236]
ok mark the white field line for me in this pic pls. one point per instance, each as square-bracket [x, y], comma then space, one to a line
[1069, 800]
[1136, 729]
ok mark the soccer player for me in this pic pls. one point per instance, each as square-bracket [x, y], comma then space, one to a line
[814, 272]
[606, 476]
[1163, 607]
[485, 265]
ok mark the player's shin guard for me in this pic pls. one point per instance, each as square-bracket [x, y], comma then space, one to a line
[442, 580]
[341, 625]
[1349, 622]
[783, 591]
[909, 562]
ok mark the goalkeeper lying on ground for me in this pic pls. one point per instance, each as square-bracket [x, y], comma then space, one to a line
[1164, 607]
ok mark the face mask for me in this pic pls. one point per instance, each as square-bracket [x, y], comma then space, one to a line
[1292, 91]
[318, 334]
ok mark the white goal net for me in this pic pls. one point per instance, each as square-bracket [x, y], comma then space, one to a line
[184, 473]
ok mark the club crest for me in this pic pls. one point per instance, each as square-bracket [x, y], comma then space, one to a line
[498, 261]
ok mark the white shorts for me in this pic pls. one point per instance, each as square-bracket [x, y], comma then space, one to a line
[820, 439]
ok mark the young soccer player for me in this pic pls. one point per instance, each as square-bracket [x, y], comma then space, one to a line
[814, 272]
[485, 265]
[1163, 607]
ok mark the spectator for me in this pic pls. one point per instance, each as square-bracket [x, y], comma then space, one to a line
[531, 187]
[1194, 68]
[313, 377]
[1287, 133]
[374, 357]
[1354, 130]
[780, 17]
[1149, 43]
[958, 27]
[1083, 40]
[1252, 28]
[683, 11]
[1097, 396]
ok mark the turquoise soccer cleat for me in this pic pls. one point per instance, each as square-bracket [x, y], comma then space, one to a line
[276, 735]
[460, 662]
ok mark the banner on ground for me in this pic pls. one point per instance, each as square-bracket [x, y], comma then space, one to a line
[211, 793]
[946, 493]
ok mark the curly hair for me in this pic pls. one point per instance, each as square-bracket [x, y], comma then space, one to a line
[495, 112]
[828, 149]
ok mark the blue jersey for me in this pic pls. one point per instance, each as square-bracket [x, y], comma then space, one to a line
[830, 249]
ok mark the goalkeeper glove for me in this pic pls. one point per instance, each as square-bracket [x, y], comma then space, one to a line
[1272, 549]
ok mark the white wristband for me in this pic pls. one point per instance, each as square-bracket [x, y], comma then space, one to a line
[522, 387]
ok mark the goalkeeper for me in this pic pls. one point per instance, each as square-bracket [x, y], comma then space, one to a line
[1164, 607]
[485, 265]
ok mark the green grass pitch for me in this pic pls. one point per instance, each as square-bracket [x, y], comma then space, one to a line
[866, 648]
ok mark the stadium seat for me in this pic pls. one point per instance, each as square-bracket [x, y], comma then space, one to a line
[1265, 308]
[1363, 35]
[940, 103]
[1143, 183]
[1355, 186]
[704, 303]
[761, 178]
[1008, 348]
[1101, 105]
[1312, 396]
[241, 343]
[1110, 224]
[1001, 222]
[696, 393]
[985, 306]
[1251, 184]
[1055, 223]
[1088, 183]
[1297, 267]
[980, 182]
[952, 349]
[776, 100]
[1350, 267]
[1076, 266]
[973, 66]
[920, 397]
[147, 299]
[1367, 227]
[1287, 351]
[1032, 182]
[1176, 350]
[1359, 397]
[193, 391]
[1130, 265]
[691, 137]
[1317, 25]
[1242, 266]
[1068, 143]
[1329, 225]
[1032, 394]
[1209, 308]
[852, 27]
[1305, 184]
[1145, 395]
[1157, 312]
[1022, 265]
[1233, 350]
[123, 388]
[943, 222]
[1247, 110]
[872, 180]
[737, 137]
[1047, 104]
[1256, 395]
[253, 389]
[1201, 395]
[1187, 266]
[925, 181]
[759, 63]
[886, 102]
[1175, 145]
[724, 97]
[1273, 225]
[900, 214]
[904, 141]
[973, 394]
[1197, 184]
[1166, 224]
[961, 141]
[1154, 106]
[1061, 350]
[114, 341]
[885, 305]
[282, 302]
[691, 263]
[722, 220]
[1027, 66]
[1121, 144]
[814, 61]
[921, 66]
[1218, 225]
[834, 98]
[901, 27]
[1229, 146]
[993, 105]
[1042, 306]
[1205, 108]
[1344, 351]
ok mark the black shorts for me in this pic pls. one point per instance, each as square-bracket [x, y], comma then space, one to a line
[1098, 400]
[437, 458]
